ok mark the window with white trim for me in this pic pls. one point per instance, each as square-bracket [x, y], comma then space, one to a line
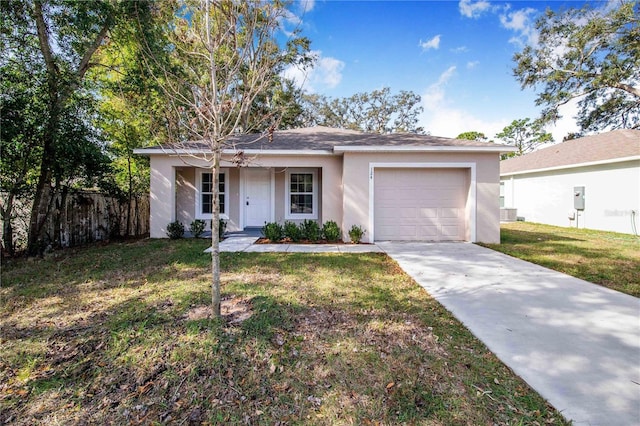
[302, 194]
[204, 194]
[501, 194]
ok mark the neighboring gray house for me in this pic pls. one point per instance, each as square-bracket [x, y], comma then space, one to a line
[591, 182]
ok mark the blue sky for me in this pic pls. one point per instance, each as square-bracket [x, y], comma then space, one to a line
[457, 55]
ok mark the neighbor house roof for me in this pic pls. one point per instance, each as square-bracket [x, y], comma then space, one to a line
[618, 145]
[330, 140]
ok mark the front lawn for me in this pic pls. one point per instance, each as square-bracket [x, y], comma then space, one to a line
[119, 334]
[606, 258]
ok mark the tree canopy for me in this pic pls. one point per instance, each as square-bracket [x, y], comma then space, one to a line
[525, 135]
[473, 136]
[589, 55]
[375, 112]
[48, 48]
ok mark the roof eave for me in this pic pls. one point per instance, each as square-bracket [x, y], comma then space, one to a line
[572, 166]
[266, 152]
[411, 149]
[337, 150]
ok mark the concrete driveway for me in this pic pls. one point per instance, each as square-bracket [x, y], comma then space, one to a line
[576, 343]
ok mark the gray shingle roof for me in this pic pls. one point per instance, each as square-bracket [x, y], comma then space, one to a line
[589, 149]
[326, 139]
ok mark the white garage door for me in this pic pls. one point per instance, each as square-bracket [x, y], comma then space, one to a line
[420, 204]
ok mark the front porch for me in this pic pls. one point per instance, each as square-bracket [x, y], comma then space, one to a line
[269, 190]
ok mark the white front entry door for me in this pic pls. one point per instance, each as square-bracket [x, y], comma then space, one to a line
[257, 194]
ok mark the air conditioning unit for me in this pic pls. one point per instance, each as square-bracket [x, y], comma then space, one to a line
[508, 215]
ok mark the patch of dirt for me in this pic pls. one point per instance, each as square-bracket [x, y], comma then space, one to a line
[234, 311]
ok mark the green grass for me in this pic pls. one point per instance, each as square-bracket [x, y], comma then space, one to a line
[606, 258]
[119, 334]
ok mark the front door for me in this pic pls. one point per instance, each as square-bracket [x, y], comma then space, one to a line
[257, 202]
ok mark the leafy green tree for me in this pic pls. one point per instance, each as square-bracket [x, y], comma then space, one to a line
[227, 81]
[589, 55]
[376, 112]
[47, 133]
[473, 136]
[21, 107]
[131, 108]
[572, 136]
[53, 44]
[525, 135]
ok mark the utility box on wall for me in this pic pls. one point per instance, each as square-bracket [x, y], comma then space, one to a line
[578, 197]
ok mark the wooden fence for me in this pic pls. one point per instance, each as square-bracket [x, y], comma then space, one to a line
[82, 217]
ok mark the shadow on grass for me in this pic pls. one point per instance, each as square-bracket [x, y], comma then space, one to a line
[331, 339]
[599, 257]
[519, 236]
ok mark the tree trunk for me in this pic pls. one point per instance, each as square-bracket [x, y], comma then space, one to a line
[40, 200]
[215, 238]
[7, 226]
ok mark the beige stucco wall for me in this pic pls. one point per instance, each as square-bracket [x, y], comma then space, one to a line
[162, 195]
[356, 203]
[185, 194]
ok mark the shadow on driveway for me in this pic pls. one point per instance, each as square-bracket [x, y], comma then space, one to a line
[576, 343]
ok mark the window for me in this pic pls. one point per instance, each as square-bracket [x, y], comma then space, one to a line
[501, 194]
[301, 197]
[204, 194]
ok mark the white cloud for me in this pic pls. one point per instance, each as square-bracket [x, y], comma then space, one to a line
[441, 119]
[472, 64]
[567, 124]
[433, 43]
[473, 9]
[460, 49]
[326, 73]
[522, 22]
[450, 122]
[306, 5]
[433, 97]
[294, 16]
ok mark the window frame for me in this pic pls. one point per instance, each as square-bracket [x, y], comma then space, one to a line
[314, 194]
[199, 194]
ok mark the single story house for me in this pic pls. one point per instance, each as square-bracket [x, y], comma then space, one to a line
[395, 186]
[591, 182]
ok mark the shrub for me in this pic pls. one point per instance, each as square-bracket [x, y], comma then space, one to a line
[356, 233]
[175, 230]
[197, 227]
[310, 230]
[222, 228]
[331, 231]
[292, 231]
[273, 231]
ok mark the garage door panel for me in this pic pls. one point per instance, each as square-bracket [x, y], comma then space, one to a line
[388, 213]
[404, 213]
[449, 212]
[429, 232]
[402, 232]
[428, 212]
[450, 231]
[420, 204]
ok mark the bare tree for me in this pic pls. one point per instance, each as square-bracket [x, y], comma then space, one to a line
[224, 62]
